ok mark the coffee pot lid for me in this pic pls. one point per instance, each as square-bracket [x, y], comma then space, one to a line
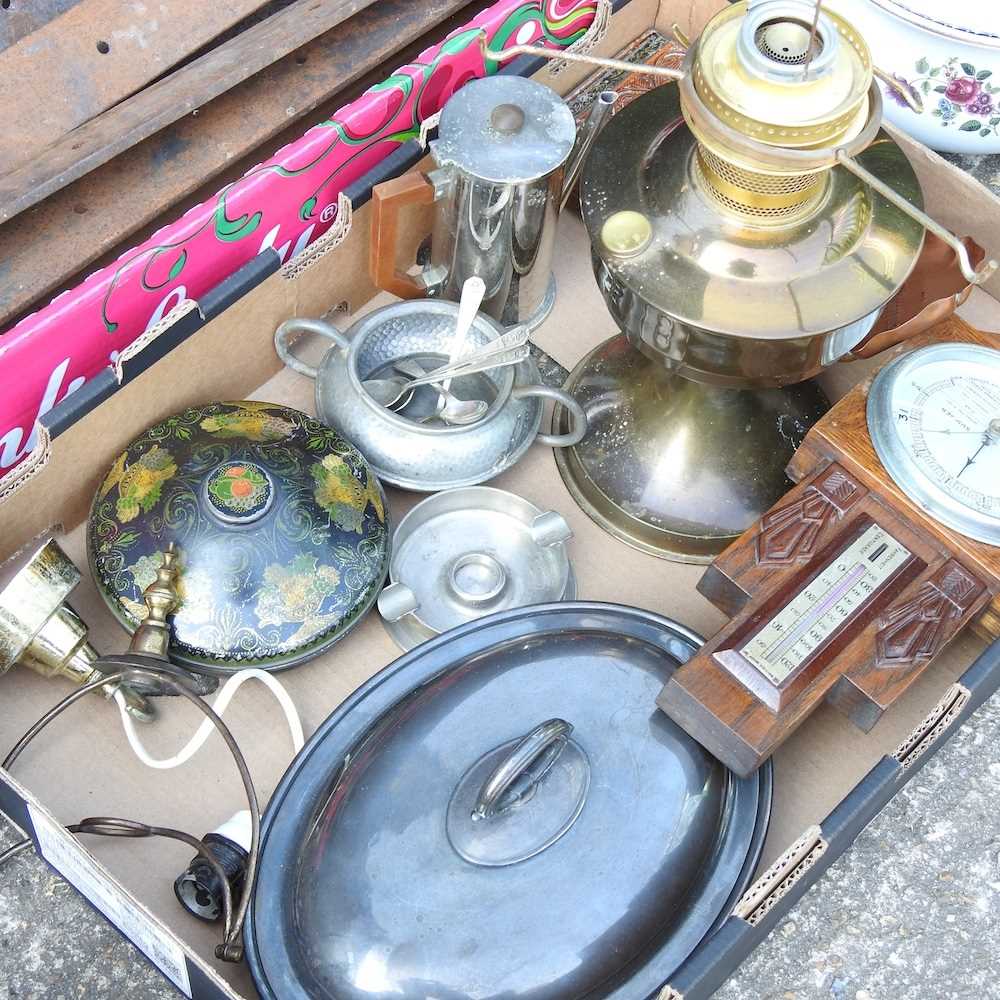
[279, 523]
[505, 129]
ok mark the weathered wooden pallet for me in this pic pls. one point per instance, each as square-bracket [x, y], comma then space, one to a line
[47, 246]
[94, 55]
[94, 142]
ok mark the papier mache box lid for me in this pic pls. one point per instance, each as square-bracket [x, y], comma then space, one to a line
[279, 522]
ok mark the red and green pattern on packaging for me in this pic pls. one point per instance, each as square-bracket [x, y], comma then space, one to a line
[287, 202]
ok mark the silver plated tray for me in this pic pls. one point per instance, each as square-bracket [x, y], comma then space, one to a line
[503, 812]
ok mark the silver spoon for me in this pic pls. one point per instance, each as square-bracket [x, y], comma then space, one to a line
[451, 409]
[473, 292]
[390, 391]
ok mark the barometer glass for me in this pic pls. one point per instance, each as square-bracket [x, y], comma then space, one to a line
[934, 420]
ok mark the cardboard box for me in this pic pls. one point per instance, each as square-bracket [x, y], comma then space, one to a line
[830, 779]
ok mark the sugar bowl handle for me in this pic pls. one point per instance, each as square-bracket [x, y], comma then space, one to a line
[523, 768]
[387, 200]
[578, 418]
[295, 327]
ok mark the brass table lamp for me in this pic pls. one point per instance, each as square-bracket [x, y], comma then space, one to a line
[748, 225]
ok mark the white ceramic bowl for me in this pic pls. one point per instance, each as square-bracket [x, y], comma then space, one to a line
[948, 52]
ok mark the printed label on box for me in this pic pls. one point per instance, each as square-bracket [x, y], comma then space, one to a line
[69, 858]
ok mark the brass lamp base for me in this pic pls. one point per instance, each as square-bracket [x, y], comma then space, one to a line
[39, 630]
[676, 468]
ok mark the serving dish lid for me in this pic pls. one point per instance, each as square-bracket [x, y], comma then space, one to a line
[503, 812]
[279, 522]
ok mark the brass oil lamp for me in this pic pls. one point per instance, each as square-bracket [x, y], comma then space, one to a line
[747, 227]
[38, 628]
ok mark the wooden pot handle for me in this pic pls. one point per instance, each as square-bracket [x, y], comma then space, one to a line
[932, 293]
[387, 199]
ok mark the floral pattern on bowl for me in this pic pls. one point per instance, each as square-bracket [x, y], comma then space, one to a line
[966, 98]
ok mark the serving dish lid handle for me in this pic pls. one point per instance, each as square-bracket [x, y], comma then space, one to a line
[524, 767]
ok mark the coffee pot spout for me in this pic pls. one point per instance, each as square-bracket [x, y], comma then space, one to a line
[600, 111]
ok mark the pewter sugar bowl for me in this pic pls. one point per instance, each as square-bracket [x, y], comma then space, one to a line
[412, 455]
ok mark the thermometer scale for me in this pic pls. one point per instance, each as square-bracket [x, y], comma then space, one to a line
[833, 598]
[862, 573]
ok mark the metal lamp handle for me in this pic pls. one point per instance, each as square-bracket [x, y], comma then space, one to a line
[523, 768]
[932, 293]
[578, 426]
[297, 327]
[974, 275]
[568, 55]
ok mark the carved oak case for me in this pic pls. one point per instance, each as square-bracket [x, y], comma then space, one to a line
[845, 590]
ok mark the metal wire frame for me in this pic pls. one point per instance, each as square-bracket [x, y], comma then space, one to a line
[231, 948]
[110, 826]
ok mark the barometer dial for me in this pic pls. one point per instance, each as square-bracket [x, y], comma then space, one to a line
[934, 419]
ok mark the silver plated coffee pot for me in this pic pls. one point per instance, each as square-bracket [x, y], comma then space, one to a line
[506, 156]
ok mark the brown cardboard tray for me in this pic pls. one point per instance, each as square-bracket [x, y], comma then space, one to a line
[830, 779]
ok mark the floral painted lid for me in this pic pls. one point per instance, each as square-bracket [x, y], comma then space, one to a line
[280, 524]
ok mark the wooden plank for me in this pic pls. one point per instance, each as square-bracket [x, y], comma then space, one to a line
[21, 17]
[158, 105]
[42, 249]
[94, 55]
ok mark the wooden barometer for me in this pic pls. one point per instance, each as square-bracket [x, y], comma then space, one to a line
[848, 587]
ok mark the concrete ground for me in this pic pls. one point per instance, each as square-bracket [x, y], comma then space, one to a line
[911, 912]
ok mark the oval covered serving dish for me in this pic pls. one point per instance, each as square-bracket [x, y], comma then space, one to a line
[280, 525]
[504, 812]
[946, 54]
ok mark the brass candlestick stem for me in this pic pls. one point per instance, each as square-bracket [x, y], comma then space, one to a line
[151, 640]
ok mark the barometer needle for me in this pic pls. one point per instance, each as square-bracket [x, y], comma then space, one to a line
[975, 455]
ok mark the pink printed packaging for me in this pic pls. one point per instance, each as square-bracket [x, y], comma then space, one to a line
[286, 202]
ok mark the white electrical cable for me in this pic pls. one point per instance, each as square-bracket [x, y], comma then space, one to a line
[221, 703]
